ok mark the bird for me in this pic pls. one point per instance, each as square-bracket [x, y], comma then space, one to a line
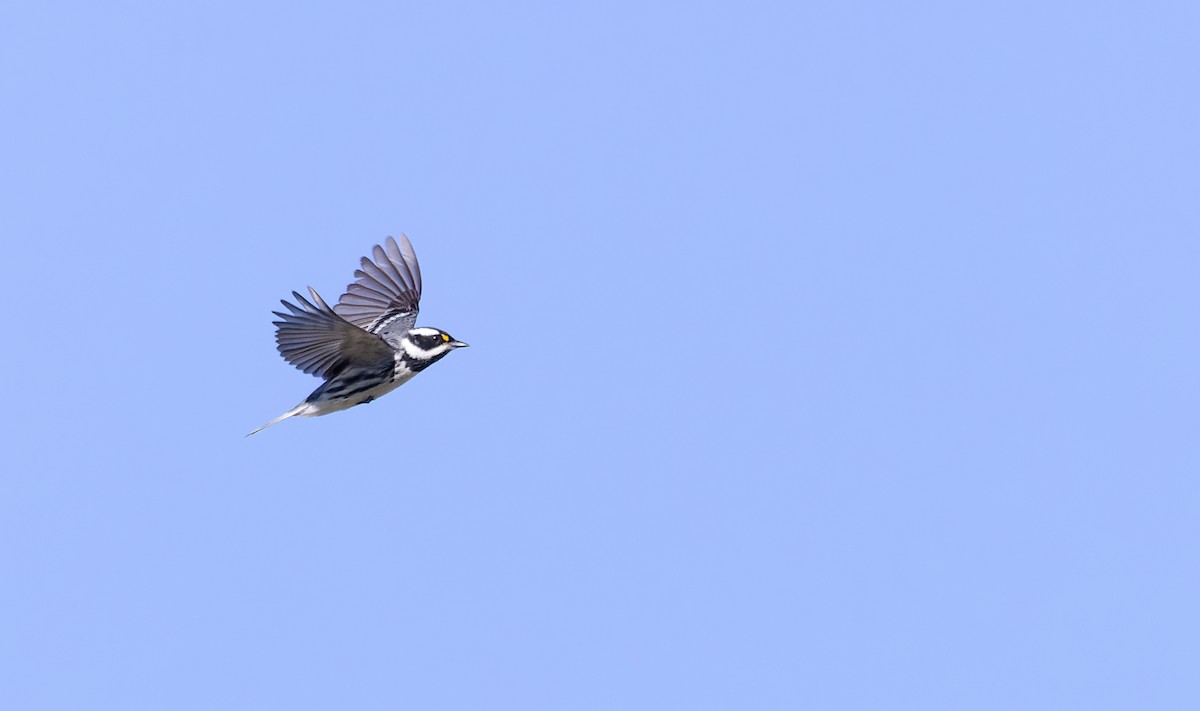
[368, 344]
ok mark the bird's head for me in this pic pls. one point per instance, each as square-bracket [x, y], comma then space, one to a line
[430, 343]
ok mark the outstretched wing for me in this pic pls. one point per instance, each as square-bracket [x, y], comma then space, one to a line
[316, 340]
[385, 296]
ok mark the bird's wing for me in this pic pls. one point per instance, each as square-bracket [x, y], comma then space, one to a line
[316, 340]
[386, 293]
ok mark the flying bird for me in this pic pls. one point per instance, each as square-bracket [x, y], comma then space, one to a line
[368, 344]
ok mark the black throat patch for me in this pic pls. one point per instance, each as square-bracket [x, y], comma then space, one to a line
[416, 365]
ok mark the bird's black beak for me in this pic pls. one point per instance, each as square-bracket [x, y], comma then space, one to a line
[458, 344]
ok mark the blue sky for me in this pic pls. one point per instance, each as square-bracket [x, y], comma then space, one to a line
[824, 355]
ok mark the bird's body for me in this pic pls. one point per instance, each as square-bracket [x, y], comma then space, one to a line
[366, 346]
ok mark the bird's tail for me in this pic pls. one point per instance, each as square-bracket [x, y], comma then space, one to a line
[290, 413]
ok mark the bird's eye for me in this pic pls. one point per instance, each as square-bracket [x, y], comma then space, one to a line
[446, 337]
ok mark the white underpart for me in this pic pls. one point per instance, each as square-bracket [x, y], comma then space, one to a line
[316, 409]
[324, 407]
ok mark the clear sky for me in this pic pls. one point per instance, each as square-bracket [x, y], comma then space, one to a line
[835, 355]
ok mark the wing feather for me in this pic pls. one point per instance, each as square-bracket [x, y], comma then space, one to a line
[315, 339]
[386, 294]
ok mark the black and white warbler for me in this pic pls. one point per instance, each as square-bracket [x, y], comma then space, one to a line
[367, 345]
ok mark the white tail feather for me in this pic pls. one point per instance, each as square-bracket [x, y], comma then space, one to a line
[290, 413]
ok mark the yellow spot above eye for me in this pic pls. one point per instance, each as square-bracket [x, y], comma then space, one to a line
[445, 338]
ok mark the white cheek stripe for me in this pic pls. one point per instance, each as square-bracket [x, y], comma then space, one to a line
[415, 351]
